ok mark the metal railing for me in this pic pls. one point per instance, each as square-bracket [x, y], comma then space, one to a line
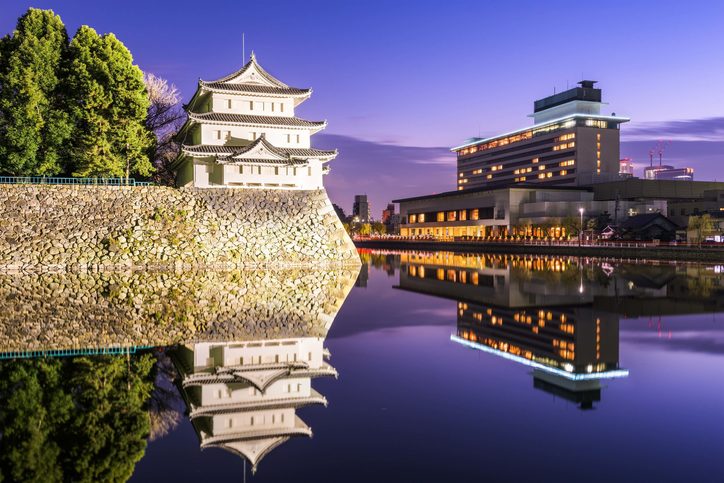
[72, 181]
[92, 351]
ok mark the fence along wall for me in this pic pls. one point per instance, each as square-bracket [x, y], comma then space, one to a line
[93, 227]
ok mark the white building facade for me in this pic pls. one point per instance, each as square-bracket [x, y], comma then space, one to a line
[243, 396]
[242, 132]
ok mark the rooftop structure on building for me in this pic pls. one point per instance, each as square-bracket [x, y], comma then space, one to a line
[664, 171]
[242, 132]
[571, 143]
[626, 169]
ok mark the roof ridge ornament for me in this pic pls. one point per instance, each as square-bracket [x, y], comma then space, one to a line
[252, 57]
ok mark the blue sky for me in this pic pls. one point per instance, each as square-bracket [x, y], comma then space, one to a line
[394, 77]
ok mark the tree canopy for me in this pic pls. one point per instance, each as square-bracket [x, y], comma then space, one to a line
[34, 127]
[108, 102]
[77, 107]
[80, 419]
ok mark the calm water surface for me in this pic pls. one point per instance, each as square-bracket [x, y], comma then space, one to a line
[450, 368]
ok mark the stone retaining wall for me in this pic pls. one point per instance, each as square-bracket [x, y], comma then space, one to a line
[62, 310]
[48, 227]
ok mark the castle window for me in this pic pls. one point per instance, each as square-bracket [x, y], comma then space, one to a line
[228, 103]
[251, 105]
[297, 138]
[272, 105]
[241, 171]
[309, 171]
[276, 172]
[281, 107]
[217, 134]
[289, 138]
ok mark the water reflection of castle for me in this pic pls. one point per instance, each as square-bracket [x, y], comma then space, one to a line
[559, 316]
[243, 397]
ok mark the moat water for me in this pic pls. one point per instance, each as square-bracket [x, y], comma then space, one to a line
[423, 367]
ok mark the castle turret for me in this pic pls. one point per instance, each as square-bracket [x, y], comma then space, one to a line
[242, 132]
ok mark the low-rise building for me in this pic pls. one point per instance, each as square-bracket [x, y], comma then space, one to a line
[521, 211]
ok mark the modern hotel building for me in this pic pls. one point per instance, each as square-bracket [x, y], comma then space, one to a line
[526, 181]
[570, 143]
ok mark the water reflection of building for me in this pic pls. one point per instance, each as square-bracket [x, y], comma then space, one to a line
[558, 315]
[570, 348]
[243, 396]
[536, 311]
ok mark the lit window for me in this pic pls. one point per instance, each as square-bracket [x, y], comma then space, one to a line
[596, 123]
[564, 172]
[460, 175]
[490, 176]
[541, 167]
[535, 160]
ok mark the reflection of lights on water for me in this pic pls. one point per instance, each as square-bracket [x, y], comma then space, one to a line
[580, 289]
[631, 285]
[718, 268]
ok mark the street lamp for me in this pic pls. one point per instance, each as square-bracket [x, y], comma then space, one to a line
[580, 233]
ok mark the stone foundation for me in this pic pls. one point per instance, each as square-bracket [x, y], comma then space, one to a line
[64, 311]
[50, 227]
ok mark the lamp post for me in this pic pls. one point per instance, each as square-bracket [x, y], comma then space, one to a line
[580, 233]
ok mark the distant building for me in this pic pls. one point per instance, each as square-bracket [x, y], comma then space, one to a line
[626, 169]
[571, 143]
[667, 172]
[361, 209]
[340, 212]
[648, 226]
[387, 213]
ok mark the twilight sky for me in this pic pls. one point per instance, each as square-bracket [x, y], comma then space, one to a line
[401, 82]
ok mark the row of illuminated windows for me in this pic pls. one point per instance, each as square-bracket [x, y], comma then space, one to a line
[529, 134]
[496, 168]
[523, 170]
[456, 215]
[450, 275]
[516, 137]
[569, 162]
[567, 137]
[560, 147]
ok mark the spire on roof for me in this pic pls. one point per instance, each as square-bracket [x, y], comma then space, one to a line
[252, 57]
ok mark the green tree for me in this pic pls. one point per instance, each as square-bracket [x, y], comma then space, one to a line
[699, 226]
[108, 102]
[364, 229]
[80, 419]
[34, 127]
[378, 228]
